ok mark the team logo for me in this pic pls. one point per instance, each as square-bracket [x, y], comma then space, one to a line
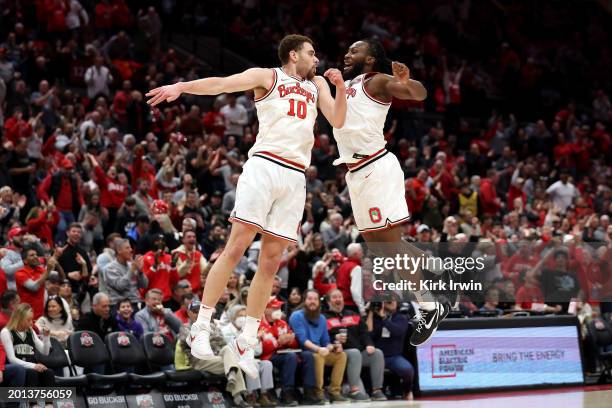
[375, 214]
[144, 401]
[86, 340]
[157, 340]
[215, 398]
[351, 92]
[123, 340]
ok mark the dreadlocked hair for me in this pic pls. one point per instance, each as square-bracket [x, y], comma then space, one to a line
[376, 50]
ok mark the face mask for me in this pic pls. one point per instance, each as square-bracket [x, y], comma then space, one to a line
[276, 315]
[239, 323]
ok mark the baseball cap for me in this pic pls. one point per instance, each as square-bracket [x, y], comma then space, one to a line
[274, 303]
[14, 232]
[422, 227]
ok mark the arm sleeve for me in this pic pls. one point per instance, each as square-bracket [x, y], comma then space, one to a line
[363, 333]
[7, 342]
[31, 285]
[173, 321]
[2, 357]
[325, 336]
[297, 324]
[356, 291]
[116, 279]
[140, 318]
[101, 177]
[377, 325]
[397, 325]
[43, 346]
[11, 263]
[143, 281]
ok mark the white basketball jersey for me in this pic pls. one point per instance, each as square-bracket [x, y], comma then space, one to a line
[287, 114]
[362, 133]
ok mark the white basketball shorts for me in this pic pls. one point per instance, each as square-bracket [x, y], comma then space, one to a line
[377, 191]
[270, 195]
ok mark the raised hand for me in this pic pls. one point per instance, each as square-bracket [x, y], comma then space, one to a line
[400, 71]
[335, 77]
[167, 93]
[80, 260]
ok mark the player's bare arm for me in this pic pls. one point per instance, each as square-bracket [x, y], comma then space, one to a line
[259, 79]
[334, 110]
[400, 85]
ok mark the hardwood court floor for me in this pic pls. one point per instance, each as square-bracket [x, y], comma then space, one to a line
[579, 397]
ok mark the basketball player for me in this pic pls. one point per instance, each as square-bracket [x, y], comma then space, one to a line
[375, 178]
[271, 191]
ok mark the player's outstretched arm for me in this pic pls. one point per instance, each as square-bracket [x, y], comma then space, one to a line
[402, 87]
[252, 78]
[334, 110]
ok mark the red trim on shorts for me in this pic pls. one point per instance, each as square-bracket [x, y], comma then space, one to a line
[353, 166]
[271, 89]
[261, 230]
[277, 157]
[388, 224]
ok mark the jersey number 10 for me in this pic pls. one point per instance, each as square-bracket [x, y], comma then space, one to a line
[301, 108]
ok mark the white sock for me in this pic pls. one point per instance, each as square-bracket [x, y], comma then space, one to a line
[251, 326]
[425, 299]
[205, 314]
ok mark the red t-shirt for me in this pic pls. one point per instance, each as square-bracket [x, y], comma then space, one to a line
[198, 262]
[162, 275]
[526, 296]
[182, 315]
[415, 204]
[35, 299]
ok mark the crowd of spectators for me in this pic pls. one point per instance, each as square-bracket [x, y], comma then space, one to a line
[112, 213]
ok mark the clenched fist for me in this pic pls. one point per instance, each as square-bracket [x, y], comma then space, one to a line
[335, 77]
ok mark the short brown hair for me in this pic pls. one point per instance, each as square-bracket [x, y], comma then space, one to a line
[291, 42]
[76, 225]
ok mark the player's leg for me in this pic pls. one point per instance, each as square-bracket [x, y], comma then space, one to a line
[259, 295]
[241, 237]
[380, 208]
[388, 242]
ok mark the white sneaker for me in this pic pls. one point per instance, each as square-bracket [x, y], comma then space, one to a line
[245, 354]
[199, 341]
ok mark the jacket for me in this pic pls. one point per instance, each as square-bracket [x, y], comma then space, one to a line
[94, 323]
[149, 322]
[121, 283]
[356, 329]
[133, 326]
[397, 326]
